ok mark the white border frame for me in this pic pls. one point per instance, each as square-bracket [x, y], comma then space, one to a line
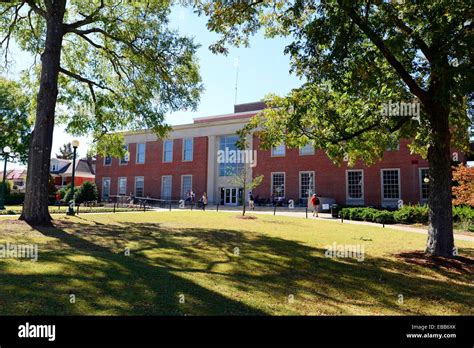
[363, 184]
[420, 183]
[299, 179]
[135, 185]
[271, 183]
[136, 153]
[284, 152]
[120, 160]
[192, 149]
[107, 165]
[399, 186]
[163, 152]
[118, 185]
[102, 188]
[171, 188]
[182, 180]
[307, 154]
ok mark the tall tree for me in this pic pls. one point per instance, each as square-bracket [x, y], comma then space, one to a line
[15, 121]
[65, 152]
[114, 65]
[357, 56]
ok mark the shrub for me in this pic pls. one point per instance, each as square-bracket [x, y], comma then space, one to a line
[384, 217]
[15, 199]
[87, 192]
[463, 213]
[410, 214]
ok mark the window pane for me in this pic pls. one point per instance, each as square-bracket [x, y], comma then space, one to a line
[187, 185]
[425, 186]
[188, 150]
[105, 188]
[139, 186]
[307, 184]
[354, 184]
[166, 187]
[278, 184]
[278, 150]
[168, 151]
[107, 160]
[141, 148]
[308, 149]
[122, 190]
[124, 160]
[229, 142]
[390, 184]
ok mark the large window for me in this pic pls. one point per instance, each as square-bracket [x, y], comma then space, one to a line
[166, 187]
[139, 186]
[188, 149]
[306, 184]
[141, 150]
[105, 189]
[168, 150]
[107, 160]
[124, 159]
[228, 165]
[278, 184]
[122, 186]
[355, 184]
[390, 183]
[424, 184]
[308, 149]
[186, 185]
[278, 151]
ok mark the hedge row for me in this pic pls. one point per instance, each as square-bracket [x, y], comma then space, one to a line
[408, 214]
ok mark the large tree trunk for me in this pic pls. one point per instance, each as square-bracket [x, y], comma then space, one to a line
[35, 207]
[440, 231]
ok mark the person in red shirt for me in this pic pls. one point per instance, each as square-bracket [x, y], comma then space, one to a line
[315, 203]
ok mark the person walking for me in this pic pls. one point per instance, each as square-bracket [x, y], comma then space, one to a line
[204, 201]
[251, 201]
[315, 203]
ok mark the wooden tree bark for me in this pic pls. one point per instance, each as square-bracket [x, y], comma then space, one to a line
[440, 230]
[35, 207]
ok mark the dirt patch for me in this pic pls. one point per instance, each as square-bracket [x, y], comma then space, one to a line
[246, 217]
[458, 264]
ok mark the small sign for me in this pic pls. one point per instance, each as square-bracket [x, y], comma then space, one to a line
[325, 206]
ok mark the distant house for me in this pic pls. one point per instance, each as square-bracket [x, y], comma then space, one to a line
[61, 171]
[18, 179]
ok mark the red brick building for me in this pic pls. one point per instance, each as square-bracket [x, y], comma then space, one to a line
[190, 158]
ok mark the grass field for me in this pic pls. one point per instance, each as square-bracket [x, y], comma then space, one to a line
[207, 263]
[16, 209]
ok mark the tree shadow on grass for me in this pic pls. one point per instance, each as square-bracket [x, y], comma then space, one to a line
[168, 262]
[105, 282]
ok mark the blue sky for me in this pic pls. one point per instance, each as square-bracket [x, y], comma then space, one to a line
[263, 69]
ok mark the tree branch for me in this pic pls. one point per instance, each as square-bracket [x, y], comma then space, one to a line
[90, 83]
[410, 33]
[36, 8]
[88, 19]
[391, 59]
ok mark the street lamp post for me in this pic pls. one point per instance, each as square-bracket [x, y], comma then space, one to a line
[75, 145]
[6, 152]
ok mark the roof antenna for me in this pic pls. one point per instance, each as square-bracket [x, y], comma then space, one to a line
[236, 66]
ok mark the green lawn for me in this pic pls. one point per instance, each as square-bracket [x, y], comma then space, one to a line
[280, 268]
[53, 209]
